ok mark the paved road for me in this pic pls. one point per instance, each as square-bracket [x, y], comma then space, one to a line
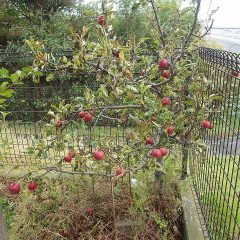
[226, 146]
[229, 38]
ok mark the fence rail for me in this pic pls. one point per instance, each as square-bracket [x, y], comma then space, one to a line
[216, 173]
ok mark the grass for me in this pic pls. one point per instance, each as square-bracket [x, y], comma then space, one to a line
[57, 210]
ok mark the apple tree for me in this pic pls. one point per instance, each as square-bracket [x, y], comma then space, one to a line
[153, 87]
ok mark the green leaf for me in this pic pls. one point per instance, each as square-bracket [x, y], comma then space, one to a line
[4, 72]
[7, 93]
[49, 77]
[215, 97]
[4, 114]
[104, 90]
[15, 77]
[135, 6]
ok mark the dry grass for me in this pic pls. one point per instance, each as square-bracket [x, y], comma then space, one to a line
[58, 211]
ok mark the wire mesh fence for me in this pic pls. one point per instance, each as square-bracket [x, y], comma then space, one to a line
[27, 121]
[216, 177]
[215, 172]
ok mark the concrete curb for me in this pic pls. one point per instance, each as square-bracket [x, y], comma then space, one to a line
[3, 228]
[192, 224]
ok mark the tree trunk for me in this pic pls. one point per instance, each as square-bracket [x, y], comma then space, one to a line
[159, 175]
[184, 161]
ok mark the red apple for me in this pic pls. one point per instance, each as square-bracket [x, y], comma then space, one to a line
[150, 140]
[101, 20]
[170, 130]
[118, 171]
[14, 188]
[68, 158]
[89, 211]
[82, 114]
[156, 153]
[165, 74]
[88, 117]
[117, 54]
[163, 64]
[154, 119]
[32, 186]
[98, 155]
[58, 123]
[206, 124]
[164, 151]
[165, 101]
[235, 74]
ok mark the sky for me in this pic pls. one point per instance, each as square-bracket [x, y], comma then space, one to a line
[228, 14]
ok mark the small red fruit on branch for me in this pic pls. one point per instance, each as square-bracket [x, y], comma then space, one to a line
[101, 20]
[163, 64]
[165, 101]
[58, 123]
[98, 155]
[82, 114]
[207, 124]
[235, 74]
[117, 54]
[156, 153]
[88, 117]
[164, 152]
[32, 186]
[165, 74]
[14, 188]
[154, 119]
[150, 140]
[170, 130]
[89, 211]
[118, 171]
[68, 158]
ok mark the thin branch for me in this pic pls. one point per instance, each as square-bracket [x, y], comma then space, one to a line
[112, 107]
[111, 118]
[99, 115]
[56, 234]
[122, 106]
[161, 83]
[206, 31]
[55, 169]
[158, 23]
[102, 69]
[189, 34]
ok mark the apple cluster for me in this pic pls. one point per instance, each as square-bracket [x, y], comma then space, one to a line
[15, 188]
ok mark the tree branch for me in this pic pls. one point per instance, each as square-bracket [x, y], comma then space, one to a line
[189, 34]
[206, 31]
[55, 169]
[158, 23]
